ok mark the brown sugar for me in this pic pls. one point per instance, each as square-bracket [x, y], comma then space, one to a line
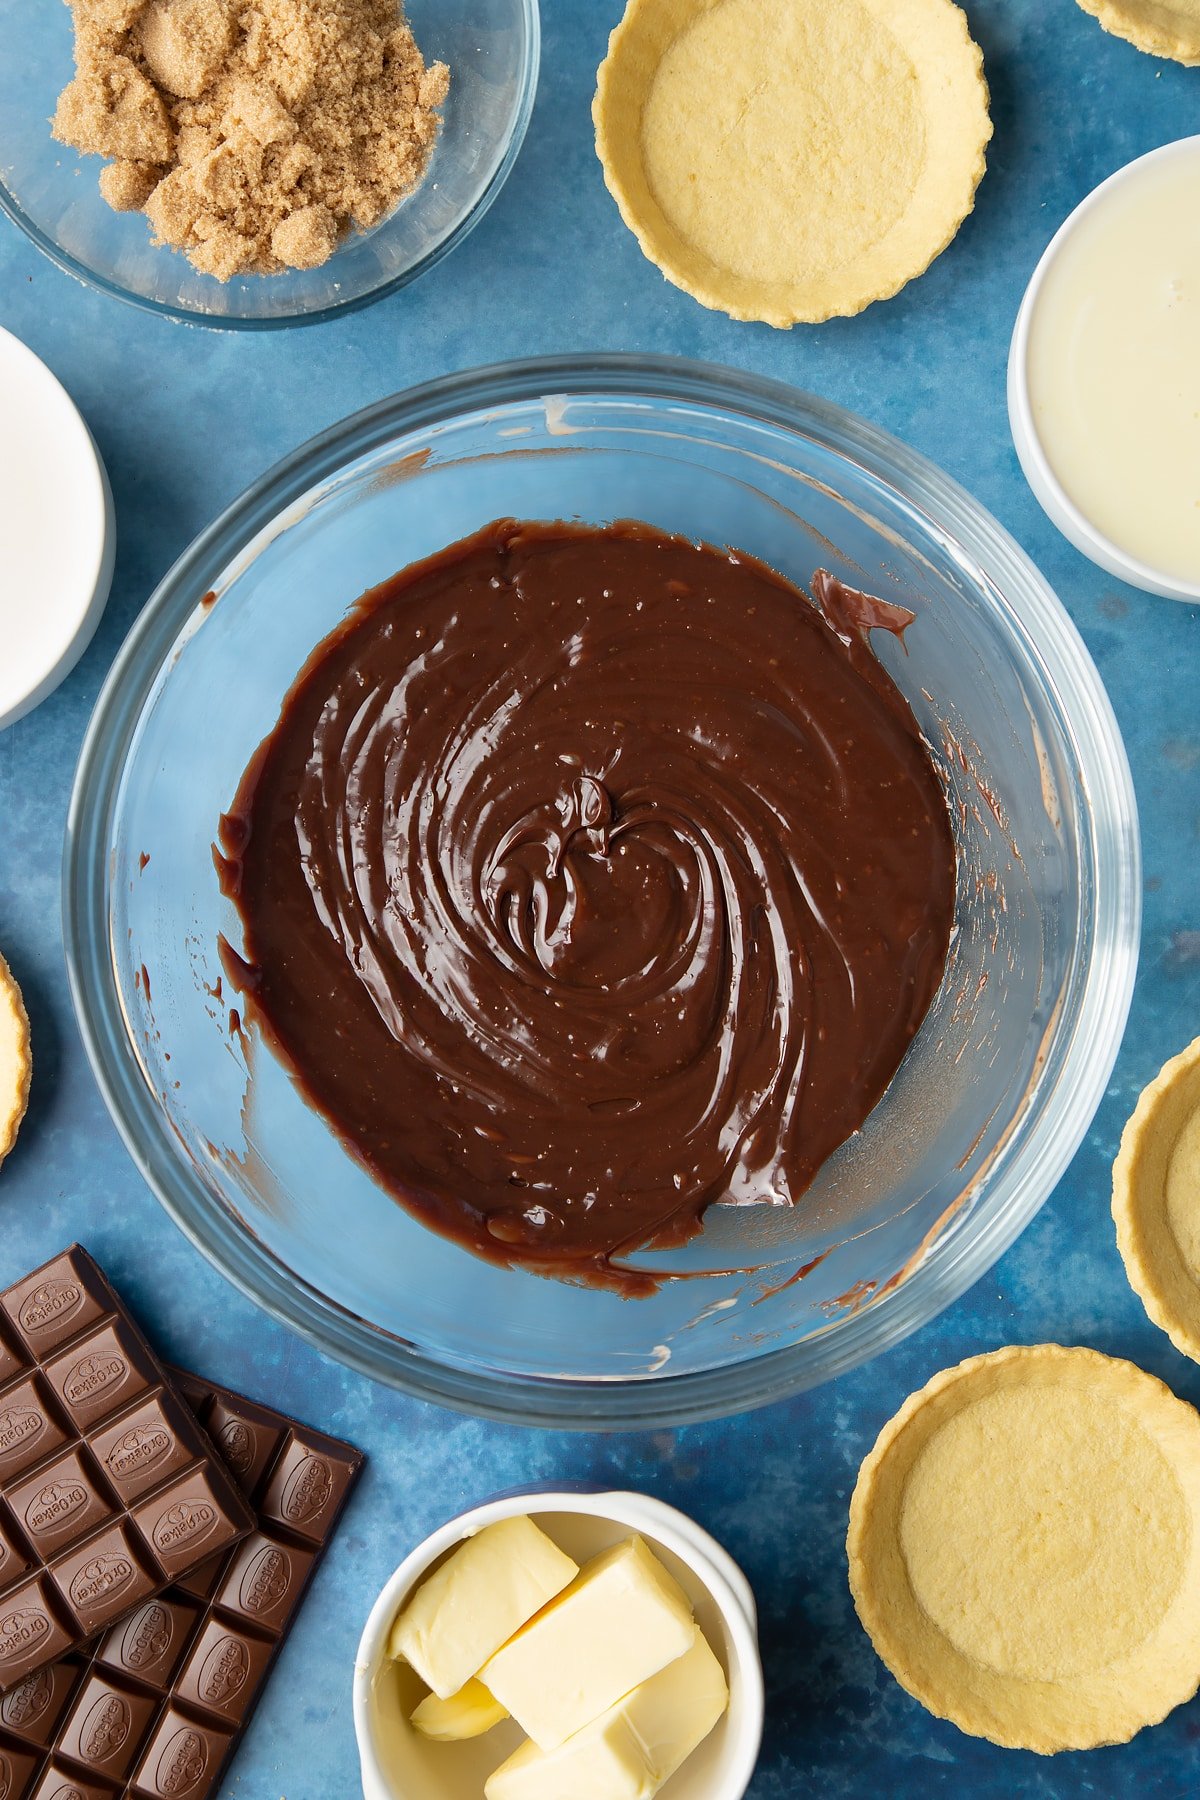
[116, 111]
[185, 43]
[253, 133]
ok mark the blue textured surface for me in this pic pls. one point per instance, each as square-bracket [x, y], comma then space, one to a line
[185, 419]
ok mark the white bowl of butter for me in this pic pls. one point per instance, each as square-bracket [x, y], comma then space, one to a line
[399, 1762]
[1104, 374]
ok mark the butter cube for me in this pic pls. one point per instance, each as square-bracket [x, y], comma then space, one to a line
[621, 1620]
[631, 1750]
[475, 1601]
[467, 1714]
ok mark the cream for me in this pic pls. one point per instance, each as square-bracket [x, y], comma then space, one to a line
[1113, 365]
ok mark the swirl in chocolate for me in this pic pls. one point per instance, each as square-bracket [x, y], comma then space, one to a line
[590, 877]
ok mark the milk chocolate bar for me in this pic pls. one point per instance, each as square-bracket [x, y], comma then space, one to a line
[155, 1709]
[109, 1488]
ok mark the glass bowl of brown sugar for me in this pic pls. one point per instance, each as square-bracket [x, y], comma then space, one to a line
[280, 184]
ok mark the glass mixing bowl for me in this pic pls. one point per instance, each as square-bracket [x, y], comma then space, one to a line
[998, 1087]
[491, 47]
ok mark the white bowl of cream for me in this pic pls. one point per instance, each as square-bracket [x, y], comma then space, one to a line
[57, 532]
[399, 1764]
[1104, 374]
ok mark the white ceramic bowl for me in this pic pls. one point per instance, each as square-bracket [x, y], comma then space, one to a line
[1055, 501]
[57, 532]
[398, 1764]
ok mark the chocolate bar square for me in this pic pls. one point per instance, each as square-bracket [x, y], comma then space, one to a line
[92, 1428]
[155, 1709]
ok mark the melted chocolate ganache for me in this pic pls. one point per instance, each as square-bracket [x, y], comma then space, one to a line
[590, 877]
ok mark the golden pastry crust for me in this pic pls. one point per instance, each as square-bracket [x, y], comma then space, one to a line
[1024, 1551]
[1159, 27]
[1156, 1200]
[15, 1064]
[792, 160]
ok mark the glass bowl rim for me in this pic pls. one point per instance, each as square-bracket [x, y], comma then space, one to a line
[11, 207]
[1042, 634]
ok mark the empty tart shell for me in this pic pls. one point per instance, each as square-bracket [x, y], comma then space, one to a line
[792, 160]
[1024, 1548]
[1156, 1200]
[14, 1059]
[1159, 27]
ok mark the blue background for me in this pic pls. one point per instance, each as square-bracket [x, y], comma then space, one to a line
[185, 419]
